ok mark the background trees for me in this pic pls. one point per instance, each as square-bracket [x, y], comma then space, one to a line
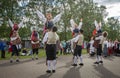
[86, 9]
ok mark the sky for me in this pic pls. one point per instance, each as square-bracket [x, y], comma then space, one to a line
[113, 7]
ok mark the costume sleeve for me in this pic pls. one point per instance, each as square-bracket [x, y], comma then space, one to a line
[10, 23]
[96, 24]
[76, 38]
[57, 36]
[13, 38]
[80, 25]
[57, 18]
[45, 38]
[100, 25]
[72, 22]
[20, 24]
[41, 16]
[99, 38]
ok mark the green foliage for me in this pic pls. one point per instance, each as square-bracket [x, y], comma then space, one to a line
[113, 28]
[40, 55]
[86, 9]
[4, 31]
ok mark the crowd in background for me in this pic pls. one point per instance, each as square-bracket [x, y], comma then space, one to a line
[64, 47]
[109, 47]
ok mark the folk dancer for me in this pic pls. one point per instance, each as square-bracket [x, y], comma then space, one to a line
[35, 42]
[99, 39]
[15, 39]
[78, 48]
[50, 40]
[48, 20]
[75, 28]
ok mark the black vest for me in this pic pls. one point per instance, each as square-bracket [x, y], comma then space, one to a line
[49, 24]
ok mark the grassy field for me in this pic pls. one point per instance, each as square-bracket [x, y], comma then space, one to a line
[41, 54]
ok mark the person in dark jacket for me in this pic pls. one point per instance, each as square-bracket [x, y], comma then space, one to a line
[2, 48]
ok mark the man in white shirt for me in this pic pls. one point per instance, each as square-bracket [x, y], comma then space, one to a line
[50, 40]
[78, 41]
[100, 38]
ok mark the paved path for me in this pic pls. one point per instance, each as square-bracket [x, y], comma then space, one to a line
[28, 68]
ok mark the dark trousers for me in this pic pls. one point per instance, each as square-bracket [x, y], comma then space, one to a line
[51, 51]
[78, 50]
[15, 51]
[35, 50]
[65, 50]
[61, 51]
[99, 50]
[2, 53]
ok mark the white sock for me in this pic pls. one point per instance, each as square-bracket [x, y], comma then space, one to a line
[100, 57]
[33, 56]
[81, 59]
[36, 56]
[90, 52]
[75, 60]
[54, 64]
[11, 58]
[49, 64]
[17, 58]
[97, 58]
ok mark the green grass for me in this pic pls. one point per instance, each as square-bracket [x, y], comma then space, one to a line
[41, 54]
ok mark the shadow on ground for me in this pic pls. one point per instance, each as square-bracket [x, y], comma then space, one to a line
[104, 73]
[14, 63]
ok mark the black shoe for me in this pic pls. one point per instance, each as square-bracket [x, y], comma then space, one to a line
[48, 71]
[81, 64]
[17, 61]
[36, 58]
[96, 62]
[53, 71]
[11, 61]
[74, 64]
[100, 61]
[32, 58]
[105, 56]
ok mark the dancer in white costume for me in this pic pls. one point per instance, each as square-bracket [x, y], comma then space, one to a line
[15, 39]
[92, 49]
[99, 39]
[75, 28]
[98, 27]
[48, 20]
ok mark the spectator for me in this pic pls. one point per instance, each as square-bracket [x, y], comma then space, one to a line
[2, 48]
[105, 48]
[24, 52]
[61, 48]
[64, 47]
[92, 49]
[109, 47]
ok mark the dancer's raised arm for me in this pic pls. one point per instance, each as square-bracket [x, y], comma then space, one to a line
[10, 23]
[41, 16]
[80, 24]
[72, 22]
[20, 24]
[57, 18]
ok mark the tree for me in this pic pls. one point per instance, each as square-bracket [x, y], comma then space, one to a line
[113, 28]
[86, 9]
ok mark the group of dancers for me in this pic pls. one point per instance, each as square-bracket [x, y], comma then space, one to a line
[50, 38]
